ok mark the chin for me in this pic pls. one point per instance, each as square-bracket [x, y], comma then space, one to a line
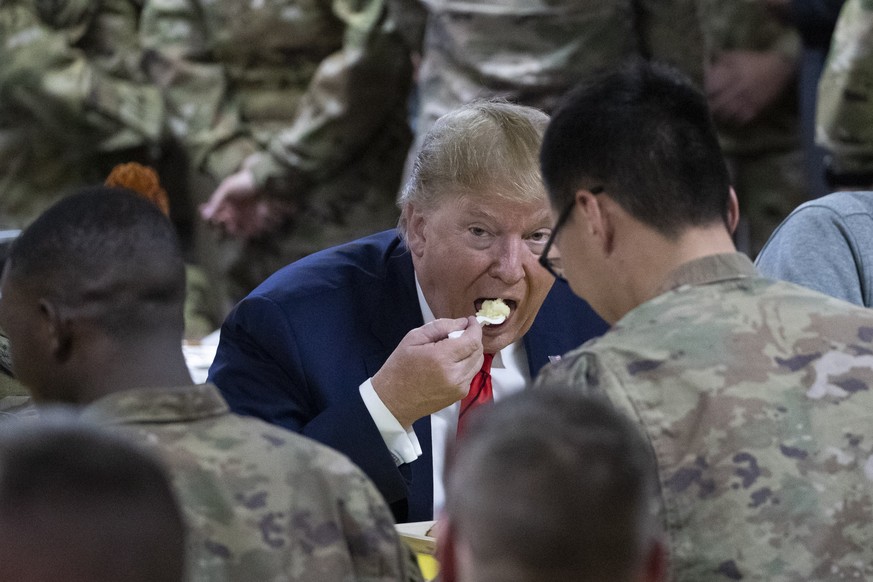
[492, 345]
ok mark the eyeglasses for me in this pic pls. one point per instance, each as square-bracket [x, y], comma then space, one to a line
[553, 264]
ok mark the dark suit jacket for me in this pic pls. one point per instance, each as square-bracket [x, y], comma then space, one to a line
[295, 351]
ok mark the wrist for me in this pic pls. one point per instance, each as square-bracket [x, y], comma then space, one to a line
[394, 405]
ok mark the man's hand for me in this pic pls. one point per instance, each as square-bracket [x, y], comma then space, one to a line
[241, 210]
[742, 84]
[428, 371]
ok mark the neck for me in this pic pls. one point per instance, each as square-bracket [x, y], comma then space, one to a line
[647, 258]
[117, 366]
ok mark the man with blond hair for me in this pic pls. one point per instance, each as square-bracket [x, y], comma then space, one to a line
[351, 346]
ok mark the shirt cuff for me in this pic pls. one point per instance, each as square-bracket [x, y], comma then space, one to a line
[402, 444]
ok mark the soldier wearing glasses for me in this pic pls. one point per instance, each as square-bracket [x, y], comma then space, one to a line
[755, 395]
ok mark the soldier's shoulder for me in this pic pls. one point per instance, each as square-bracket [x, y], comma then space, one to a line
[285, 448]
[578, 367]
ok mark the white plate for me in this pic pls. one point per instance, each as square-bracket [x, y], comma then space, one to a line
[415, 535]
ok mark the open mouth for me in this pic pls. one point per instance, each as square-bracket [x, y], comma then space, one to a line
[512, 304]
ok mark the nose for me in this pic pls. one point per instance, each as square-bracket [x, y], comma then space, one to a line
[509, 260]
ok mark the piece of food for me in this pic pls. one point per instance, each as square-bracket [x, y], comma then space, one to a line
[493, 309]
[492, 312]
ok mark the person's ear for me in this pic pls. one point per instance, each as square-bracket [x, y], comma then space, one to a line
[58, 327]
[597, 218]
[416, 234]
[733, 213]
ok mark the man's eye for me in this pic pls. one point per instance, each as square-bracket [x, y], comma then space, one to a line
[540, 236]
[476, 231]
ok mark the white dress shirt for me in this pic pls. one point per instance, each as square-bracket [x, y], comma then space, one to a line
[509, 374]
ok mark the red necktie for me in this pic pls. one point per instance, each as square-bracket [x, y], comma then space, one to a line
[480, 391]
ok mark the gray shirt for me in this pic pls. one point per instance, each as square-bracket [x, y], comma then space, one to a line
[826, 244]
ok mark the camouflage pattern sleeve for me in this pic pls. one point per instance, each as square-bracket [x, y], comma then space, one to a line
[747, 31]
[670, 32]
[261, 503]
[578, 369]
[177, 57]
[351, 96]
[14, 398]
[844, 115]
[15, 401]
[368, 515]
[43, 70]
[411, 19]
[587, 372]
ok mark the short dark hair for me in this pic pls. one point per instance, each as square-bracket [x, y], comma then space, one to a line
[644, 133]
[107, 247]
[80, 504]
[552, 485]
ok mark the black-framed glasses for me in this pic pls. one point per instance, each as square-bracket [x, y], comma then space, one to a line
[553, 264]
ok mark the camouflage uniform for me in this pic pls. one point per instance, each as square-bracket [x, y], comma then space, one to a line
[261, 503]
[14, 398]
[315, 90]
[845, 98]
[757, 399]
[533, 51]
[765, 156]
[72, 102]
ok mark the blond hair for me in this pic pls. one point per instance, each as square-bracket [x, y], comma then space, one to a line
[485, 146]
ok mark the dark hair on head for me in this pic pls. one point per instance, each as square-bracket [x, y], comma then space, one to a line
[77, 503]
[108, 248]
[551, 485]
[644, 133]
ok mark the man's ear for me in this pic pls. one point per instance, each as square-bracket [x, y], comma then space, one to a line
[733, 213]
[58, 326]
[416, 234]
[598, 219]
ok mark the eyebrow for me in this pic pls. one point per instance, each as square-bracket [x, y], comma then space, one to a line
[484, 213]
[487, 213]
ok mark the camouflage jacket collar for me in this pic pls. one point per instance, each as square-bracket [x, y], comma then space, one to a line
[157, 405]
[710, 269]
